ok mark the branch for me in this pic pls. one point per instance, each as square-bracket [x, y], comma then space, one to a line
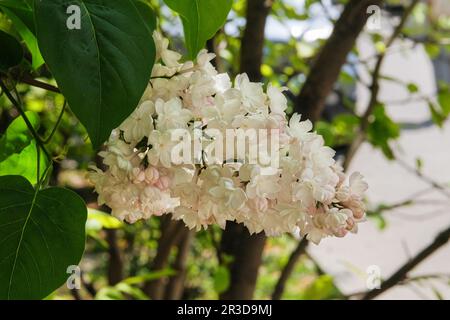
[326, 68]
[28, 79]
[436, 185]
[88, 286]
[175, 288]
[289, 268]
[377, 71]
[252, 44]
[170, 234]
[58, 122]
[115, 263]
[76, 294]
[375, 87]
[402, 273]
[18, 105]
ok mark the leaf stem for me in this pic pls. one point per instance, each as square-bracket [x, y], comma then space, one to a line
[58, 122]
[18, 106]
[38, 169]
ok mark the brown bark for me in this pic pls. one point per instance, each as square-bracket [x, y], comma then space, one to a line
[171, 231]
[115, 263]
[211, 45]
[252, 44]
[247, 249]
[333, 55]
[175, 288]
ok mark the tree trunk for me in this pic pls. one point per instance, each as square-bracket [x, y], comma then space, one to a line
[246, 251]
[115, 263]
[327, 66]
[175, 288]
[252, 44]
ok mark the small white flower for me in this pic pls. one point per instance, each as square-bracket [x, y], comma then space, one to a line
[139, 124]
[278, 101]
[253, 97]
[171, 114]
[299, 129]
[161, 148]
[170, 58]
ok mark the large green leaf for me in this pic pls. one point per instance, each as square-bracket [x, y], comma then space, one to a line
[11, 53]
[18, 153]
[21, 14]
[41, 235]
[24, 163]
[102, 68]
[201, 20]
[17, 135]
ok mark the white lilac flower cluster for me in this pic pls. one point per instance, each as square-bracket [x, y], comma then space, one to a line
[306, 193]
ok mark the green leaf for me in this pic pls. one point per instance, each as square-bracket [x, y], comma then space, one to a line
[419, 164]
[109, 293]
[340, 131]
[131, 291]
[41, 235]
[21, 14]
[322, 288]
[121, 291]
[102, 68]
[201, 20]
[325, 129]
[433, 50]
[412, 87]
[24, 163]
[437, 293]
[147, 15]
[149, 276]
[17, 135]
[382, 130]
[98, 220]
[379, 220]
[436, 115]
[12, 52]
[444, 101]
[221, 279]
[22, 9]
[18, 153]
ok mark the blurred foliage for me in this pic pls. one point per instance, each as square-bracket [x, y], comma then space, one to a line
[286, 63]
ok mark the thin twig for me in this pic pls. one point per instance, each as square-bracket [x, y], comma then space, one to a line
[375, 87]
[22, 113]
[55, 128]
[27, 79]
[288, 269]
[401, 274]
[442, 189]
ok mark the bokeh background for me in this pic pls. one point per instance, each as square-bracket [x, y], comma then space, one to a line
[385, 112]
